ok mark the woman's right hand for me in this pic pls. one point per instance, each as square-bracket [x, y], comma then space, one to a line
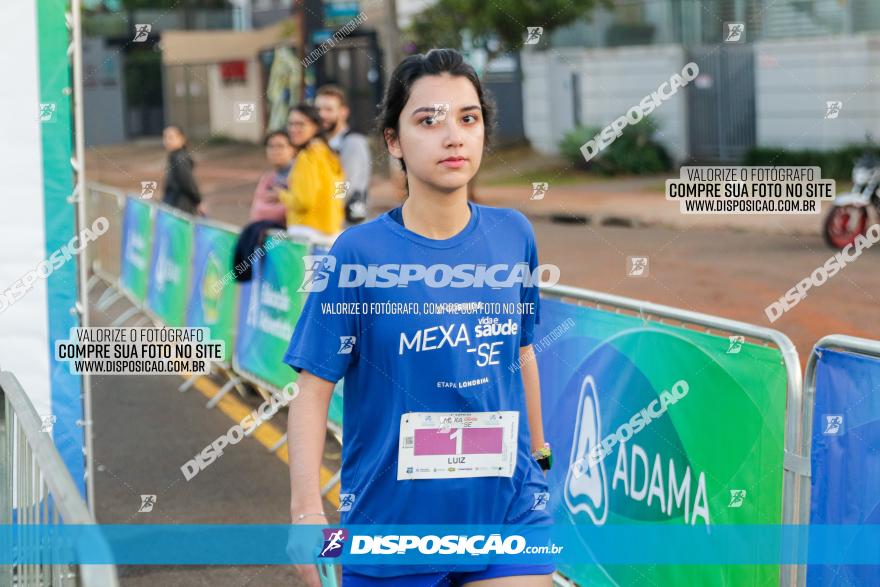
[309, 575]
[307, 430]
[273, 194]
[298, 551]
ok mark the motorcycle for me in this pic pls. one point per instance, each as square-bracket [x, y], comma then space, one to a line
[850, 212]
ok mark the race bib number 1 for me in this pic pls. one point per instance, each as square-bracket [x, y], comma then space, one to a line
[443, 445]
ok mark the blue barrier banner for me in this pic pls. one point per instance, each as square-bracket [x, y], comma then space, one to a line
[658, 426]
[432, 545]
[845, 456]
[137, 241]
[269, 308]
[170, 268]
[213, 294]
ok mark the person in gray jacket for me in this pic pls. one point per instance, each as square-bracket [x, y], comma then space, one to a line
[352, 147]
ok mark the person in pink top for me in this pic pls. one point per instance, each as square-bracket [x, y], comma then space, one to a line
[266, 205]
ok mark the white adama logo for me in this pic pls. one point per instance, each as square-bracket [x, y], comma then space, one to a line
[586, 489]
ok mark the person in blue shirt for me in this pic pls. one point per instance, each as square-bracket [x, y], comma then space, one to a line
[428, 313]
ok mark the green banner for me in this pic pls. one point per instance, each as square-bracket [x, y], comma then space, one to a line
[270, 306]
[656, 424]
[213, 293]
[171, 268]
[137, 239]
[59, 213]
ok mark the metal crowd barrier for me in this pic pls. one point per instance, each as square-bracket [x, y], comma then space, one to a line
[106, 263]
[36, 489]
[796, 462]
[267, 389]
[105, 260]
[108, 202]
[233, 380]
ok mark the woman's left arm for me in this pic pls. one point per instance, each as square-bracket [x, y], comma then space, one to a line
[532, 385]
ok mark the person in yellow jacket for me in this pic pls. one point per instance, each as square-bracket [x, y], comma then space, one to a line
[315, 196]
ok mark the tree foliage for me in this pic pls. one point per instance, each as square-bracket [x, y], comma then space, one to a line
[507, 21]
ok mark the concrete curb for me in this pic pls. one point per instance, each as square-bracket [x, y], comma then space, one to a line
[599, 218]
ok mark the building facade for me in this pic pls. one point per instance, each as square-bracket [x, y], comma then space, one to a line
[776, 84]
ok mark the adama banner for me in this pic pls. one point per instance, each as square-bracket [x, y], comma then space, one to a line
[691, 424]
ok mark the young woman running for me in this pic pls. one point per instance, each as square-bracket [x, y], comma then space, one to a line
[438, 429]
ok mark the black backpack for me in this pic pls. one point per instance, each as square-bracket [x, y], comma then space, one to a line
[356, 202]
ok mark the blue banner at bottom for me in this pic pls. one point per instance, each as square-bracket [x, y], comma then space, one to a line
[154, 544]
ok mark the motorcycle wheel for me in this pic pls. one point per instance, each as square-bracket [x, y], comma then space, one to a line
[843, 224]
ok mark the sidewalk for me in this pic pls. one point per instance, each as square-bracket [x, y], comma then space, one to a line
[619, 202]
[227, 175]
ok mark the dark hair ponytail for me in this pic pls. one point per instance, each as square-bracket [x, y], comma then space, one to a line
[434, 62]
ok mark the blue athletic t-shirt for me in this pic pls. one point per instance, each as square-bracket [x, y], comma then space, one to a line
[400, 361]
